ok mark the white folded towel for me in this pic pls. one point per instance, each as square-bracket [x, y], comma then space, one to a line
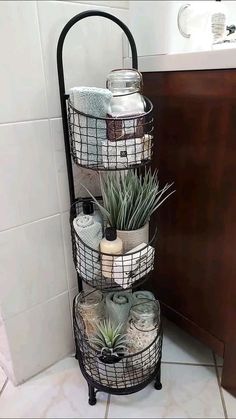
[90, 232]
[124, 153]
[89, 132]
[129, 268]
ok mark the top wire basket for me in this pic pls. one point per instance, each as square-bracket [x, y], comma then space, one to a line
[111, 143]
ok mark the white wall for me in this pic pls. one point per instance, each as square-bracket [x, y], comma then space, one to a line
[154, 26]
[37, 278]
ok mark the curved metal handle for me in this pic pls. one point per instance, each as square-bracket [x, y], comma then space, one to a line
[76, 19]
[61, 79]
[181, 10]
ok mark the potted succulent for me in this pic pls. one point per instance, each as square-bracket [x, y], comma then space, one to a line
[129, 200]
[110, 341]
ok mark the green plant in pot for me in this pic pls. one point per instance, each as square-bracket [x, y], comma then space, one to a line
[129, 200]
[110, 341]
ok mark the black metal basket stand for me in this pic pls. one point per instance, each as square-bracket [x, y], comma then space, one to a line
[105, 144]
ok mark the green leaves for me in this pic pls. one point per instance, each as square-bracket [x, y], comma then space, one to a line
[109, 337]
[129, 200]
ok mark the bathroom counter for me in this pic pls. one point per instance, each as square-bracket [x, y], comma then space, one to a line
[201, 60]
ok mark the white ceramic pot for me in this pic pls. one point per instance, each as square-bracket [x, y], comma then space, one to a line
[133, 238]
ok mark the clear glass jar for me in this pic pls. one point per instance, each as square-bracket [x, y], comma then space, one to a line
[91, 307]
[143, 324]
[126, 86]
[145, 315]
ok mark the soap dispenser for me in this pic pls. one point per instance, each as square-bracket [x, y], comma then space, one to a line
[218, 22]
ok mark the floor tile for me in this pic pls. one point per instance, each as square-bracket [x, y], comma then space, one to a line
[179, 346]
[230, 403]
[188, 392]
[230, 400]
[3, 379]
[59, 392]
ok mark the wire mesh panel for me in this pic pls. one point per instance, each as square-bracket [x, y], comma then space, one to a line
[130, 371]
[103, 270]
[111, 143]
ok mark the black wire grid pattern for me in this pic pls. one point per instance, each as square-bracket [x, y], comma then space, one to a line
[133, 371]
[125, 271]
[111, 143]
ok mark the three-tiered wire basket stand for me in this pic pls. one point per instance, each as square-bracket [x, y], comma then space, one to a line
[84, 143]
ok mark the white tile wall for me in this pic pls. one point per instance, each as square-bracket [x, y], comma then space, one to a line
[154, 25]
[32, 267]
[37, 276]
[85, 47]
[43, 335]
[27, 173]
[22, 81]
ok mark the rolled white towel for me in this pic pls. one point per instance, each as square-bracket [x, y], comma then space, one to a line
[118, 305]
[90, 232]
[142, 295]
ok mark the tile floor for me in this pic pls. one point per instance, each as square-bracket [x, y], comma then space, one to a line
[190, 389]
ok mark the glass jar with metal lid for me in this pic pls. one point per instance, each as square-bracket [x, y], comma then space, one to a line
[126, 87]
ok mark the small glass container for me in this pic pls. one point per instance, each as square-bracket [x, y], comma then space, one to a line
[145, 315]
[91, 307]
[127, 101]
[143, 324]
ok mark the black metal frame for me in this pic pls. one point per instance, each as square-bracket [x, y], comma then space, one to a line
[60, 69]
[93, 386]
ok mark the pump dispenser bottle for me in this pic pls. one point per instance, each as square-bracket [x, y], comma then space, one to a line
[112, 245]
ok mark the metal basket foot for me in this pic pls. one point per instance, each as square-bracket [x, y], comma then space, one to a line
[158, 385]
[92, 397]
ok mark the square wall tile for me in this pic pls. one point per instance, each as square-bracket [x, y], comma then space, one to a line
[188, 392]
[40, 337]
[32, 265]
[5, 355]
[88, 178]
[71, 272]
[92, 48]
[109, 3]
[22, 81]
[59, 392]
[27, 172]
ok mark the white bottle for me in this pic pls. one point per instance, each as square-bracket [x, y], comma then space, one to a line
[112, 245]
[218, 22]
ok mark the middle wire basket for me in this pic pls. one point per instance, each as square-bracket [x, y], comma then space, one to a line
[124, 271]
[111, 143]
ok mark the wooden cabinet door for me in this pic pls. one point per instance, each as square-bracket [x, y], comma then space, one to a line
[195, 146]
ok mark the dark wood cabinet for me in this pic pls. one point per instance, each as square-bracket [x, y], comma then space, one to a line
[195, 146]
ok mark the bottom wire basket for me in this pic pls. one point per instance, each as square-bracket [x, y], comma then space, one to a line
[128, 375]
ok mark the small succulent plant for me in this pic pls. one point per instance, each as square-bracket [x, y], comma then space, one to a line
[109, 339]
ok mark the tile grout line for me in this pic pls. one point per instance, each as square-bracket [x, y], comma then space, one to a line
[4, 386]
[188, 364]
[220, 388]
[107, 406]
